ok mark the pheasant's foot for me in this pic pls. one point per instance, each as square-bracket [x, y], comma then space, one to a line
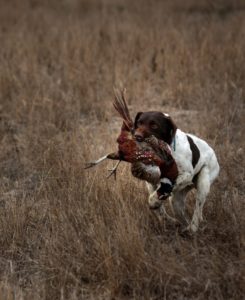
[113, 171]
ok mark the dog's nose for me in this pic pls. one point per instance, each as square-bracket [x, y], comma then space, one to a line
[139, 138]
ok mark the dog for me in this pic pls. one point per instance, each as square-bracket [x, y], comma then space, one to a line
[196, 161]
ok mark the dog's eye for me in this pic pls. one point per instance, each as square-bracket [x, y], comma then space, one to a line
[153, 125]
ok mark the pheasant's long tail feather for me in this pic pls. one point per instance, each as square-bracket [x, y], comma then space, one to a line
[121, 107]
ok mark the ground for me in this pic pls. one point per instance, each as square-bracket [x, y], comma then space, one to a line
[70, 233]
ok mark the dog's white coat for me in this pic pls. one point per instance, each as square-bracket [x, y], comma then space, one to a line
[207, 169]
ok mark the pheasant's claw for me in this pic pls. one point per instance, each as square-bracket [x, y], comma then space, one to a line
[112, 172]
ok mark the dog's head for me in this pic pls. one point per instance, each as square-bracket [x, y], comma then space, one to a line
[154, 123]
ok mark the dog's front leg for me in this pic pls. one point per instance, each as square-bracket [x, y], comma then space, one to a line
[203, 187]
[183, 180]
[178, 205]
[156, 204]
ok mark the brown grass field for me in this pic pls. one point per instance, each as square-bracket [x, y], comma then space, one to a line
[70, 233]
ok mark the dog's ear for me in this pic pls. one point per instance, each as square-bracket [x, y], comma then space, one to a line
[137, 118]
[169, 128]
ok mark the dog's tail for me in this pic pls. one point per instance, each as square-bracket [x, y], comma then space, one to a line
[121, 107]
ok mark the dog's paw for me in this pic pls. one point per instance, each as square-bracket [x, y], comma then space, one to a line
[192, 228]
[155, 205]
[185, 232]
[164, 189]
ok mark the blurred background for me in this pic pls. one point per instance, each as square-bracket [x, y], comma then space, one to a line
[70, 233]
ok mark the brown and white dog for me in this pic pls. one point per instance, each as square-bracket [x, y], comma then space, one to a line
[196, 162]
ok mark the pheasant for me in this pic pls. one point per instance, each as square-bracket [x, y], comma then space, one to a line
[151, 160]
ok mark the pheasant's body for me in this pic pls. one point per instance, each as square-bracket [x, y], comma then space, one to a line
[151, 159]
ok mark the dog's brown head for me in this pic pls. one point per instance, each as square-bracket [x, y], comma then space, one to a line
[154, 123]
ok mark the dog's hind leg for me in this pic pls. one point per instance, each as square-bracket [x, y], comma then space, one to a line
[203, 188]
[178, 205]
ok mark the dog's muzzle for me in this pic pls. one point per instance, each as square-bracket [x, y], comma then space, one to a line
[139, 138]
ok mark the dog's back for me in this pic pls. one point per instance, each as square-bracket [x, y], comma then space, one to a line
[192, 154]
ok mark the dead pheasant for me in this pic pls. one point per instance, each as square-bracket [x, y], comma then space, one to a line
[151, 160]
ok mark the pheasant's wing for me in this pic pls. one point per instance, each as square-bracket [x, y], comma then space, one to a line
[159, 147]
[149, 173]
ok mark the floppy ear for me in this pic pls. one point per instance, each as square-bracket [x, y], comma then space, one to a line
[137, 118]
[170, 129]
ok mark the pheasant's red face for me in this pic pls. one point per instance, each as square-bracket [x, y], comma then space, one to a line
[154, 123]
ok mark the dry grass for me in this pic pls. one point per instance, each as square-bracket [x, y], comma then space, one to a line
[71, 234]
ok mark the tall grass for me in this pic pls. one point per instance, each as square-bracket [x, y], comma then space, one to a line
[69, 233]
